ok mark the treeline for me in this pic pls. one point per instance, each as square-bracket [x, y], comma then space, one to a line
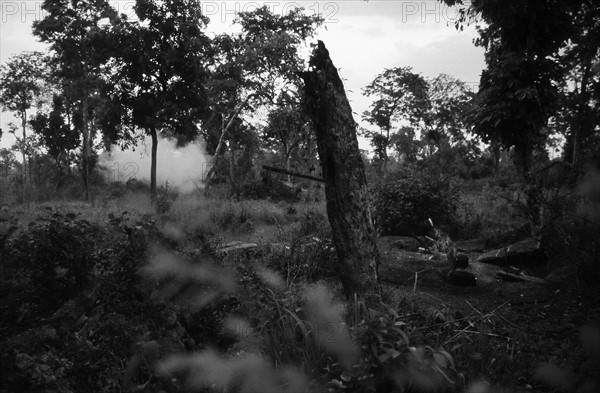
[112, 80]
[539, 92]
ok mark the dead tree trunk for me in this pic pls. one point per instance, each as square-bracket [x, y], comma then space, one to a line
[344, 174]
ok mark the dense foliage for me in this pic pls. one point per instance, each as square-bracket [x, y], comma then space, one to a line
[268, 188]
[155, 291]
[53, 261]
[403, 206]
[532, 52]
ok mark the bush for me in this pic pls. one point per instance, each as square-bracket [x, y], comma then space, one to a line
[50, 261]
[165, 197]
[310, 256]
[403, 206]
[268, 188]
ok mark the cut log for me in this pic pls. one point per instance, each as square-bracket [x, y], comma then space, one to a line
[506, 276]
[236, 246]
[525, 252]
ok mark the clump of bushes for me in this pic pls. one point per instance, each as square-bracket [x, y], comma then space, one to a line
[58, 256]
[165, 197]
[308, 254]
[403, 205]
[312, 252]
[73, 303]
[272, 189]
[51, 260]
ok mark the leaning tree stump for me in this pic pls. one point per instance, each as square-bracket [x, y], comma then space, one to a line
[344, 175]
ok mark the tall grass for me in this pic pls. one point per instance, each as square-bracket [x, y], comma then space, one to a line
[195, 211]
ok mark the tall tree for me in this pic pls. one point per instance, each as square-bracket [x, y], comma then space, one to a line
[79, 31]
[252, 67]
[161, 70]
[445, 134]
[57, 135]
[401, 95]
[288, 132]
[517, 92]
[406, 145]
[21, 83]
[7, 162]
[344, 174]
[407, 103]
[450, 100]
[579, 113]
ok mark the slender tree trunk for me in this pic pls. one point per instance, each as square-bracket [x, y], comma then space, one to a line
[386, 158]
[24, 147]
[59, 165]
[579, 120]
[232, 177]
[219, 151]
[495, 148]
[523, 153]
[344, 174]
[287, 154]
[85, 159]
[154, 136]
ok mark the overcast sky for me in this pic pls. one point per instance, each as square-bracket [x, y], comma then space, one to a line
[363, 38]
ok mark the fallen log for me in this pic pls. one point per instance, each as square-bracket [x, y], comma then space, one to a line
[525, 252]
[518, 277]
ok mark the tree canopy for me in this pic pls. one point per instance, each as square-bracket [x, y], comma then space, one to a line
[527, 45]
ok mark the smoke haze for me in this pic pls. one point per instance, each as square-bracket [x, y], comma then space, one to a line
[184, 168]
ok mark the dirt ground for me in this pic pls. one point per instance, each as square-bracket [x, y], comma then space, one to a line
[498, 332]
[502, 332]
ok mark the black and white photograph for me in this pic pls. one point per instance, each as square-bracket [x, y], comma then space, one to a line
[352, 196]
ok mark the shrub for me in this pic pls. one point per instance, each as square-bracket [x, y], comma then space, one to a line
[312, 255]
[50, 260]
[165, 196]
[272, 189]
[403, 206]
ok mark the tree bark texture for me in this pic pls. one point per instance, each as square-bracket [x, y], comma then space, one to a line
[344, 175]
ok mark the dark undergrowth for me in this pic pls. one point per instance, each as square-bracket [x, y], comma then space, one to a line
[128, 301]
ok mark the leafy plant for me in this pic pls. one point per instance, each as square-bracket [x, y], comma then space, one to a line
[165, 198]
[54, 253]
[403, 206]
[311, 255]
[272, 189]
